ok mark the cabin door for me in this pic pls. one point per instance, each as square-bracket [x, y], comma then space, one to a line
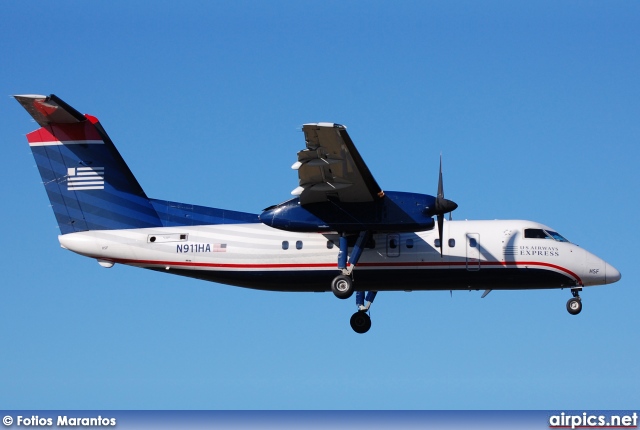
[473, 251]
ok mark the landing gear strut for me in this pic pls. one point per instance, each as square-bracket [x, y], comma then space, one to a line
[361, 321]
[342, 285]
[574, 305]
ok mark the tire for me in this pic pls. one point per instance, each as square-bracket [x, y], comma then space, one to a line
[574, 305]
[360, 322]
[342, 287]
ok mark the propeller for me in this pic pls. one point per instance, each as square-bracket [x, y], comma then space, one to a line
[442, 207]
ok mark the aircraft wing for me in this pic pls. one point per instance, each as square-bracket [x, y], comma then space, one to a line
[330, 168]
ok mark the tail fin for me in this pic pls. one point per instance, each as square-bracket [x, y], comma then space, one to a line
[87, 181]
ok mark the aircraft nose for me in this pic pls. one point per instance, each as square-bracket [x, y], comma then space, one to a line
[611, 274]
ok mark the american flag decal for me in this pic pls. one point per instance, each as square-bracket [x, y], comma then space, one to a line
[85, 178]
[219, 247]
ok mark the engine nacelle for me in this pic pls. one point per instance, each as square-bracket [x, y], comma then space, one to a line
[396, 212]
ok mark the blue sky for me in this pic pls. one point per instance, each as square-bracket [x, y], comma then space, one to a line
[534, 107]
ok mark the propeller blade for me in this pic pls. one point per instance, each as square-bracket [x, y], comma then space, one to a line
[440, 228]
[440, 186]
[443, 206]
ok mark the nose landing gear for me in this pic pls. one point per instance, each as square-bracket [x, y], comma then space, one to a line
[574, 305]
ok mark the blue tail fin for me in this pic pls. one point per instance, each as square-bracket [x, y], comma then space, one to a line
[87, 181]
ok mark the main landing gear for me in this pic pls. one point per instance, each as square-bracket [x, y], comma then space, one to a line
[361, 321]
[574, 305]
[342, 285]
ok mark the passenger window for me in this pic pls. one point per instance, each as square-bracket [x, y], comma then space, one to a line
[329, 244]
[452, 243]
[299, 244]
[472, 242]
[393, 243]
[409, 243]
[436, 243]
[535, 233]
[285, 244]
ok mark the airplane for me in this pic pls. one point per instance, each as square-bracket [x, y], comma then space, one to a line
[340, 232]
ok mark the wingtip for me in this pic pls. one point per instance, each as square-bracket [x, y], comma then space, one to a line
[29, 96]
[325, 125]
[49, 109]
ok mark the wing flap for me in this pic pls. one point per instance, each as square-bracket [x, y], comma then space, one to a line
[331, 167]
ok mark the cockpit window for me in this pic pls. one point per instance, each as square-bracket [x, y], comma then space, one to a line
[538, 233]
[557, 236]
[535, 233]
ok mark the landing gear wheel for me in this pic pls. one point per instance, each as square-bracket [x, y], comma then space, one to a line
[342, 287]
[574, 305]
[360, 322]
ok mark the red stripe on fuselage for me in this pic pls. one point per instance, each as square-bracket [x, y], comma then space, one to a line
[224, 266]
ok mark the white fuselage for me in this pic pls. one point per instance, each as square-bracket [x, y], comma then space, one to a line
[475, 255]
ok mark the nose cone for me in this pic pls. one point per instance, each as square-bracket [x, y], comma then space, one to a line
[611, 274]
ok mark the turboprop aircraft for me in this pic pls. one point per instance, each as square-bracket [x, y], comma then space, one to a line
[340, 232]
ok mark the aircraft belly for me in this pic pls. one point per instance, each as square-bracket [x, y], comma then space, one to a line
[384, 279]
[496, 278]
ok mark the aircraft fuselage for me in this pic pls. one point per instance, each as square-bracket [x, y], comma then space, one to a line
[476, 255]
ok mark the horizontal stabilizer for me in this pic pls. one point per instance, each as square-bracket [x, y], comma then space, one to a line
[49, 110]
